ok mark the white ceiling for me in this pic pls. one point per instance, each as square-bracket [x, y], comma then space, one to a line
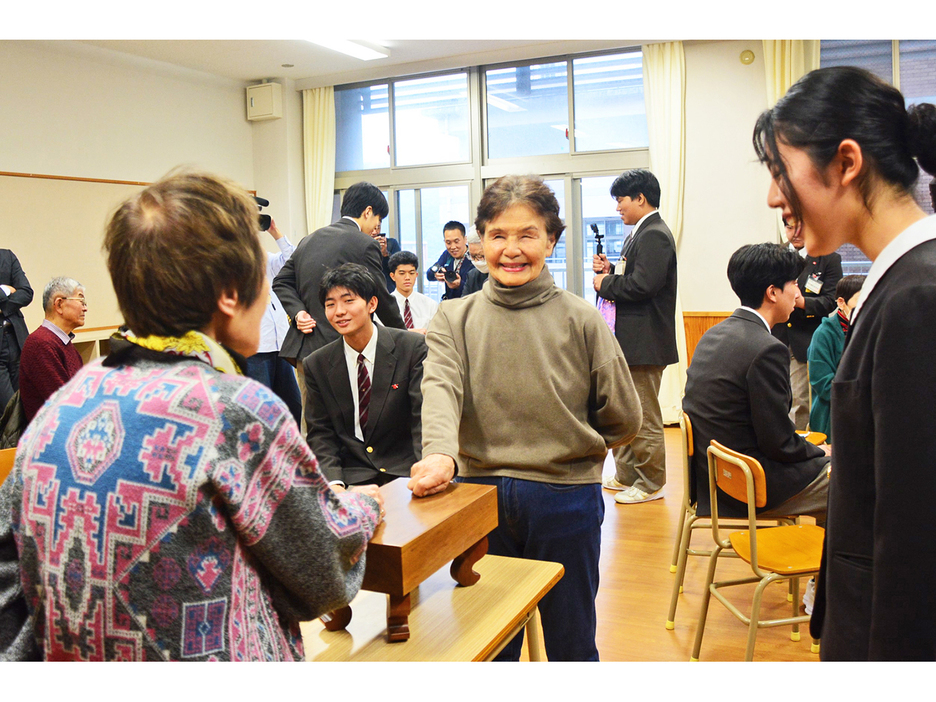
[314, 66]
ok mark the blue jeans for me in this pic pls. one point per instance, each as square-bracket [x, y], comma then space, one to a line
[276, 373]
[560, 523]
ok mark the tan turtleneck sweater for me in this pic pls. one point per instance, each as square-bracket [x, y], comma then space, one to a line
[526, 382]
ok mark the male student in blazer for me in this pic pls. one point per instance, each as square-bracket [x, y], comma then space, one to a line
[643, 287]
[738, 391]
[817, 299]
[346, 241]
[364, 402]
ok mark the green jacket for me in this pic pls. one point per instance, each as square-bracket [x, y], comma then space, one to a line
[825, 351]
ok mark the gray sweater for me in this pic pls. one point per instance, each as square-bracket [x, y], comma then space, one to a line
[526, 382]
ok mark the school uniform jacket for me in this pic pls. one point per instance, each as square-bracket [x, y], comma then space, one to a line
[738, 393]
[297, 283]
[645, 296]
[393, 435]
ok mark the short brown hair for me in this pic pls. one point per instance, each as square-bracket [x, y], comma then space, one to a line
[527, 190]
[175, 247]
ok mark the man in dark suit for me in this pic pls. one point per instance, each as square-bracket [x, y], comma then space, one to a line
[364, 401]
[15, 294]
[454, 260]
[738, 391]
[346, 241]
[817, 299]
[643, 288]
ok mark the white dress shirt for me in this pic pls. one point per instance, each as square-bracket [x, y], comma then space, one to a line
[422, 307]
[751, 309]
[275, 323]
[351, 356]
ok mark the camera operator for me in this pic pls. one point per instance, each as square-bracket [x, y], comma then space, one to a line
[453, 265]
[388, 247]
[266, 366]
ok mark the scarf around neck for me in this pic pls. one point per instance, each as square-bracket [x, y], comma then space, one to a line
[193, 344]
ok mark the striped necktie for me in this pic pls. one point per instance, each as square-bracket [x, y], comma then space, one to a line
[407, 315]
[363, 381]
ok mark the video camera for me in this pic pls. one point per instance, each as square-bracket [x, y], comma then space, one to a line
[265, 220]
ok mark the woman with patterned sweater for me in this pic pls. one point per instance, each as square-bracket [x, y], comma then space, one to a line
[165, 506]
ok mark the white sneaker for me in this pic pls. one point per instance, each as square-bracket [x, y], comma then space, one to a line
[634, 495]
[611, 483]
[809, 597]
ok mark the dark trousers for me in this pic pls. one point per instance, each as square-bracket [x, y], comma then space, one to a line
[276, 373]
[9, 365]
[559, 523]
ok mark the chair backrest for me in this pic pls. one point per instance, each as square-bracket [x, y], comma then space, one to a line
[731, 474]
[6, 462]
[685, 427]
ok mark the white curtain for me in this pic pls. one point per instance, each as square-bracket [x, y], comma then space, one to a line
[664, 77]
[785, 62]
[318, 138]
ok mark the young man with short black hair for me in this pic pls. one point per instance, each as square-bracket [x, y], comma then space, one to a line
[363, 403]
[642, 286]
[738, 391]
[417, 309]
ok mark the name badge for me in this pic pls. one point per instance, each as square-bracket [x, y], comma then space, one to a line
[619, 267]
[813, 284]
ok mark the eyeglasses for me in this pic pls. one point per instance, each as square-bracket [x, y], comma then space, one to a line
[84, 303]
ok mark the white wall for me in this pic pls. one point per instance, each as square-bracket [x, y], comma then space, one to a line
[726, 188]
[80, 111]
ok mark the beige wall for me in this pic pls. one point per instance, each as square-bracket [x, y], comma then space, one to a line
[726, 188]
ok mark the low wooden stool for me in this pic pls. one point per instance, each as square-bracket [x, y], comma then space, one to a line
[417, 537]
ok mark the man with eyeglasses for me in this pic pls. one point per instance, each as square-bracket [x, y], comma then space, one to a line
[49, 358]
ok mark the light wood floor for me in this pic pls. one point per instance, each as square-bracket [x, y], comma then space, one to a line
[636, 585]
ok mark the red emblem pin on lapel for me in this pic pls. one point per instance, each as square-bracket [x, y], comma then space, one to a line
[395, 386]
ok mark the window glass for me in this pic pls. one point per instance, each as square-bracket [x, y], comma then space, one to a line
[527, 110]
[609, 102]
[439, 205]
[362, 128]
[406, 213]
[431, 120]
[874, 56]
[558, 262]
[598, 208]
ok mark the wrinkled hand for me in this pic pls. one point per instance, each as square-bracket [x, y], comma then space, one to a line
[596, 283]
[601, 264]
[453, 284]
[431, 475]
[304, 322]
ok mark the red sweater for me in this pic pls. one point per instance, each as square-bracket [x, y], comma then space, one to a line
[46, 364]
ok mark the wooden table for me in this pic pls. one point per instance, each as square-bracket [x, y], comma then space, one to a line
[418, 536]
[454, 623]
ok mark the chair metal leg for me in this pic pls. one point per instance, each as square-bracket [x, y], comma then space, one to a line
[706, 596]
[683, 557]
[755, 617]
[794, 588]
[674, 562]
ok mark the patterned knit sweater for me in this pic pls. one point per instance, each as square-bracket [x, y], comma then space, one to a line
[169, 511]
[46, 364]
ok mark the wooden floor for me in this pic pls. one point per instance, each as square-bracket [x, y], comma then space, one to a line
[636, 585]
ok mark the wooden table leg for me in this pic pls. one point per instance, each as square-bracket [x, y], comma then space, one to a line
[337, 620]
[534, 642]
[462, 569]
[398, 610]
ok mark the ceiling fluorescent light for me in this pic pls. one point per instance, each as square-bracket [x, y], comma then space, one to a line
[350, 48]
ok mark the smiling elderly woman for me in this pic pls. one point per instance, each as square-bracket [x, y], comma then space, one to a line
[168, 507]
[525, 388]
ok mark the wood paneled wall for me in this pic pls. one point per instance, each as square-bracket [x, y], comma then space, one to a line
[696, 324]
